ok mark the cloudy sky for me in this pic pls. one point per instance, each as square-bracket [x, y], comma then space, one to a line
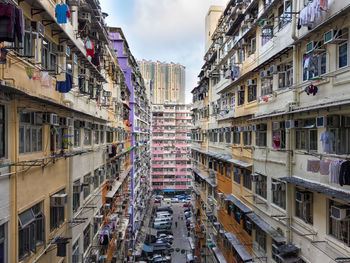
[164, 30]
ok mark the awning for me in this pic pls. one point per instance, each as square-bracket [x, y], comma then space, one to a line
[245, 209]
[239, 247]
[114, 190]
[147, 249]
[320, 188]
[274, 234]
[208, 180]
[224, 157]
[219, 256]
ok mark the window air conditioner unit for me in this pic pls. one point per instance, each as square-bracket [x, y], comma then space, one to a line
[254, 177]
[290, 124]
[98, 219]
[302, 197]
[273, 69]
[275, 186]
[51, 119]
[340, 213]
[263, 74]
[276, 125]
[58, 200]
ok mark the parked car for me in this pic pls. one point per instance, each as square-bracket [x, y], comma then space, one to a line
[166, 219]
[160, 245]
[174, 200]
[165, 208]
[162, 225]
[166, 236]
[187, 214]
[166, 232]
[159, 197]
[187, 205]
[163, 213]
[163, 240]
[157, 201]
[159, 258]
[181, 197]
[187, 210]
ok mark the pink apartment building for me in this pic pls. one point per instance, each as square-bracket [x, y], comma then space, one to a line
[171, 166]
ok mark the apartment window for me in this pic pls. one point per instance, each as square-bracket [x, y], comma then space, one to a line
[247, 226]
[261, 186]
[87, 237]
[3, 243]
[314, 66]
[266, 86]
[343, 55]
[260, 238]
[241, 92]
[97, 137]
[251, 92]
[241, 55]
[251, 46]
[2, 132]
[48, 56]
[221, 137]
[284, 14]
[339, 226]
[260, 135]
[102, 137]
[87, 137]
[237, 176]
[76, 133]
[236, 137]
[215, 136]
[76, 195]
[278, 193]
[228, 136]
[285, 76]
[228, 171]
[247, 179]
[86, 185]
[306, 138]
[247, 138]
[31, 231]
[267, 34]
[56, 213]
[304, 205]
[30, 134]
[30, 40]
[278, 135]
[59, 135]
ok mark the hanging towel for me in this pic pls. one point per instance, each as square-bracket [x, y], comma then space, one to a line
[324, 167]
[313, 166]
[7, 22]
[64, 86]
[327, 139]
[46, 80]
[323, 5]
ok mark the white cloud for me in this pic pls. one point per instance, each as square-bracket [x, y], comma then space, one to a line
[167, 30]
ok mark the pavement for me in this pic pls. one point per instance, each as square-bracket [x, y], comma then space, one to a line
[179, 233]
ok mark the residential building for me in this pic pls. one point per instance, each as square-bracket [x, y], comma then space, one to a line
[69, 150]
[168, 81]
[211, 21]
[171, 166]
[139, 123]
[270, 119]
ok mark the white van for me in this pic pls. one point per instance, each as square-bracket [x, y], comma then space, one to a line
[159, 214]
[163, 219]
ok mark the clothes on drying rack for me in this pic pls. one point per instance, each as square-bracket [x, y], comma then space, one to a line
[344, 173]
[327, 139]
[311, 12]
[324, 167]
[11, 23]
[313, 166]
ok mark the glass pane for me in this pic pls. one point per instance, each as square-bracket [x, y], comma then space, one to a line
[27, 139]
[34, 140]
[343, 55]
[40, 139]
[26, 217]
[21, 139]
